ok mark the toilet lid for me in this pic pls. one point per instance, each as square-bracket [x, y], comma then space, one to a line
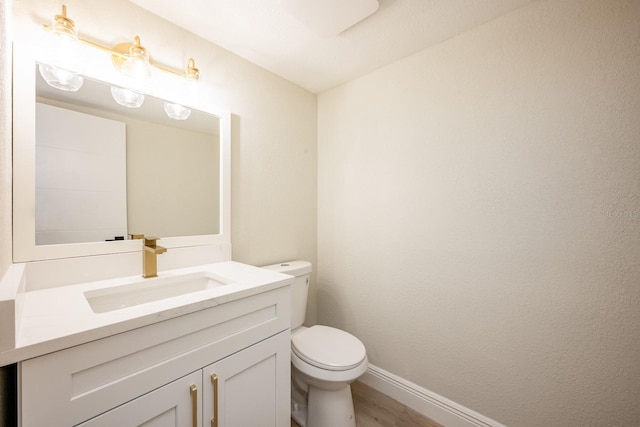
[328, 348]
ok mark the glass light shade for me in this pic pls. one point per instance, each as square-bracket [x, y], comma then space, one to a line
[137, 67]
[61, 50]
[127, 97]
[60, 78]
[176, 111]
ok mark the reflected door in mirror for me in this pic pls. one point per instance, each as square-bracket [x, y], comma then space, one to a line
[81, 193]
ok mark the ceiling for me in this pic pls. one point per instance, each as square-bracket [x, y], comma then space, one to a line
[265, 33]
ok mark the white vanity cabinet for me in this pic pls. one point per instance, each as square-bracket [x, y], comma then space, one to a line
[244, 389]
[175, 404]
[239, 390]
[228, 364]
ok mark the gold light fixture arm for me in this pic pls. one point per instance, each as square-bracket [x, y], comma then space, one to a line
[192, 71]
[63, 23]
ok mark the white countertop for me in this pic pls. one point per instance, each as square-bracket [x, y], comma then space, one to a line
[61, 317]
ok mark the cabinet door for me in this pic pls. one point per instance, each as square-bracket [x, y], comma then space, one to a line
[251, 387]
[176, 404]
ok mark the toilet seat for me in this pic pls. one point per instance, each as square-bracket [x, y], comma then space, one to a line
[328, 348]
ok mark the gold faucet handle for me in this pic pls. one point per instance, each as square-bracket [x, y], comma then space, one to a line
[150, 241]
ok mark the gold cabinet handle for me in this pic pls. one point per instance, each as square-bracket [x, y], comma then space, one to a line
[214, 381]
[194, 404]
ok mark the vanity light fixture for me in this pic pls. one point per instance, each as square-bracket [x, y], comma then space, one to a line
[60, 70]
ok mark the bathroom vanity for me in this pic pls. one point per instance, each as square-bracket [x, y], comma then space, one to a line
[216, 356]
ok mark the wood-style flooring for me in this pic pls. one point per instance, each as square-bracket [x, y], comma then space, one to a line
[374, 409]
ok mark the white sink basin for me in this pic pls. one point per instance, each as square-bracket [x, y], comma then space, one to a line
[143, 291]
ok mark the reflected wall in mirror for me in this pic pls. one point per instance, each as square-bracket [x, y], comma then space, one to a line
[104, 171]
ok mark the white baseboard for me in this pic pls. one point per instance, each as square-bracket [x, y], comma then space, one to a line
[428, 403]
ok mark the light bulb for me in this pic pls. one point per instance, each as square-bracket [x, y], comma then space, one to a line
[136, 67]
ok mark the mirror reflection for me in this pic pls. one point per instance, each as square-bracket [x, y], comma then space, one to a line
[104, 171]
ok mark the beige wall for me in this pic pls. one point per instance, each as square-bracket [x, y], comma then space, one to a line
[5, 136]
[183, 171]
[273, 131]
[479, 215]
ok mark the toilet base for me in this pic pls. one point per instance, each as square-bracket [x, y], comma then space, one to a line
[299, 414]
[298, 404]
[330, 408]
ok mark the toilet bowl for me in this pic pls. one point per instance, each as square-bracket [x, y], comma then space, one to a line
[324, 362]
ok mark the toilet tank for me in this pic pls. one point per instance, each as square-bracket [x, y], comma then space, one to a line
[301, 270]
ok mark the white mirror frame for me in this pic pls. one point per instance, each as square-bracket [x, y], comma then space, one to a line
[24, 97]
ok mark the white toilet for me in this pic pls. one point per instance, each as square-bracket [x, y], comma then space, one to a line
[325, 361]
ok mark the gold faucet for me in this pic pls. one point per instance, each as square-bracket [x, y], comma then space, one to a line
[150, 254]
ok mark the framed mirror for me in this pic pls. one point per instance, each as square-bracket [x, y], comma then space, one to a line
[88, 172]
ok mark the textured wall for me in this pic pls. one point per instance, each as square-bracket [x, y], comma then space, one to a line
[273, 131]
[479, 215]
